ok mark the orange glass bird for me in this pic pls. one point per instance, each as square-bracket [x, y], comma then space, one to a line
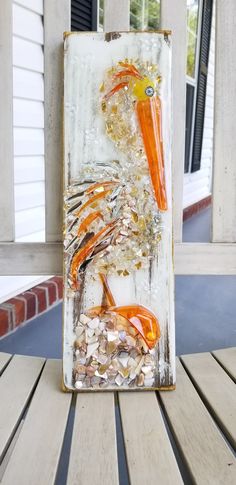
[149, 114]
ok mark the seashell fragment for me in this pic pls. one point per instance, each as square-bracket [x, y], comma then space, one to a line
[110, 348]
[104, 375]
[123, 358]
[146, 369]
[119, 380]
[93, 323]
[78, 384]
[102, 359]
[80, 368]
[148, 382]
[83, 319]
[112, 336]
[131, 341]
[79, 330]
[90, 371]
[124, 372]
[140, 380]
[91, 349]
[122, 335]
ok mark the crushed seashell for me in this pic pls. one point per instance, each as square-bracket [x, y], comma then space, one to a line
[124, 372]
[140, 380]
[78, 384]
[122, 335]
[146, 369]
[148, 382]
[102, 359]
[84, 319]
[79, 368]
[93, 323]
[79, 330]
[131, 341]
[123, 358]
[91, 349]
[103, 375]
[119, 380]
[90, 371]
[112, 336]
[110, 348]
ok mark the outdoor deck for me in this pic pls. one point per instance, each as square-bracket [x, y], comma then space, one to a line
[182, 436]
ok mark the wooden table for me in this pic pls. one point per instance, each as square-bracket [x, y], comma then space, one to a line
[183, 436]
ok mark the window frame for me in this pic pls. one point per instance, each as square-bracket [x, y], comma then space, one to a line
[194, 82]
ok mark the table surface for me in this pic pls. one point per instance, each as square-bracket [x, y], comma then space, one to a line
[169, 437]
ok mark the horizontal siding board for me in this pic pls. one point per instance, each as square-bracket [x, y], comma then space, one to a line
[27, 24]
[27, 113]
[34, 5]
[28, 169]
[27, 55]
[29, 195]
[28, 84]
[28, 222]
[28, 141]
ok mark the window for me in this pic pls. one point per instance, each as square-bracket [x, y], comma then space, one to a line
[193, 35]
[199, 16]
[144, 14]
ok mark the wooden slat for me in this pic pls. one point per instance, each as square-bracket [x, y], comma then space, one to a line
[204, 258]
[190, 258]
[56, 21]
[10, 449]
[224, 173]
[150, 457]
[4, 359]
[227, 358]
[36, 454]
[205, 451]
[16, 385]
[173, 17]
[6, 124]
[31, 258]
[216, 388]
[93, 458]
[116, 15]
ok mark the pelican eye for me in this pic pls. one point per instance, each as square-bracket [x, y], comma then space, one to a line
[149, 91]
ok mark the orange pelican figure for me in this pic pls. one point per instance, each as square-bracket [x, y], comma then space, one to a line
[107, 214]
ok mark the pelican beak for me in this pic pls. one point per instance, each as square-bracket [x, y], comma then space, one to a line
[149, 117]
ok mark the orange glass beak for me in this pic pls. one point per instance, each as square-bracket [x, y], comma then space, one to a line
[149, 117]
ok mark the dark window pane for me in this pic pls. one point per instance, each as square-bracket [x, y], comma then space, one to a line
[188, 126]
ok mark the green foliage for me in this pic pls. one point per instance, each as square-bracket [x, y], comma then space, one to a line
[144, 14]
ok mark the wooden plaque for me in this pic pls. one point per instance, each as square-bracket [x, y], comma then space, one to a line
[118, 267]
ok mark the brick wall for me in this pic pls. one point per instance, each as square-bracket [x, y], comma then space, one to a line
[17, 311]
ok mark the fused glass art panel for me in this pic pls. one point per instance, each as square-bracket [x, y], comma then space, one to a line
[118, 268]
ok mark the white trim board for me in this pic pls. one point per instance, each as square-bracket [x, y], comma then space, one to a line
[45, 258]
[11, 286]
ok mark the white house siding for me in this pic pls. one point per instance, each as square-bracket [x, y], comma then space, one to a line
[28, 119]
[197, 185]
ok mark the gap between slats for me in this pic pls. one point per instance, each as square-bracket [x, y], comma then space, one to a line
[211, 414]
[222, 424]
[4, 362]
[224, 364]
[17, 429]
[192, 436]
